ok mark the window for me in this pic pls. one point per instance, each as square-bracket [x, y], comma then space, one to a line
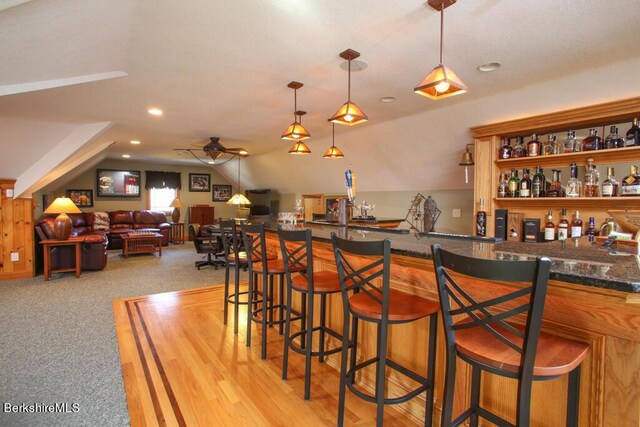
[161, 198]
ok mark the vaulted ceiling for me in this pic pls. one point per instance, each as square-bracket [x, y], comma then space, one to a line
[221, 68]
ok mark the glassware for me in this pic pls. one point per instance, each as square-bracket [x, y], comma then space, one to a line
[533, 146]
[574, 186]
[592, 142]
[505, 150]
[591, 180]
[613, 140]
[633, 134]
[538, 183]
[610, 185]
[569, 144]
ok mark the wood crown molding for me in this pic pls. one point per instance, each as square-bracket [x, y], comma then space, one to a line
[593, 115]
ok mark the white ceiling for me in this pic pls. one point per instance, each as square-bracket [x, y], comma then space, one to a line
[220, 68]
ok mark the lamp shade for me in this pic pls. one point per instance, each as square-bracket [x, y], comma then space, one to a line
[176, 203]
[349, 114]
[333, 153]
[238, 199]
[300, 148]
[62, 224]
[441, 82]
[296, 132]
[62, 205]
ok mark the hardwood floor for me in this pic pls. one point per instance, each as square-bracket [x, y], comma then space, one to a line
[182, 366]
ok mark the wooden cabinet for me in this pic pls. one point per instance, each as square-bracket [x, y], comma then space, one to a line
[488, 166]
[312, 205]
[202, 215]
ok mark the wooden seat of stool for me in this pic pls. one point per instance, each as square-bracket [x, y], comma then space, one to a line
[242, 256]
[555, 355]
[323, 282]
[402, 307]
[274, 266]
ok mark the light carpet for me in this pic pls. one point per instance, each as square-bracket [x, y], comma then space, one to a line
[58, 342]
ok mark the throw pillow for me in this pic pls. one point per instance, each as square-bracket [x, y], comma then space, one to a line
[100, 221]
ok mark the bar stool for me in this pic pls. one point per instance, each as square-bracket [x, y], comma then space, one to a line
[236, 258]
[489, 343]
[264, 263]
[298, 256]
[361, 266]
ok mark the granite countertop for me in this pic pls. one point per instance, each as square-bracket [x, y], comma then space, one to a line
[573, 260]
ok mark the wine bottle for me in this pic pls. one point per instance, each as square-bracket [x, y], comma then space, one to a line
[519, 150]
[555, 190]
[569, 144]
[549, 228]
[481, 220]
[591, 230]
[503, 185]
[576, 226]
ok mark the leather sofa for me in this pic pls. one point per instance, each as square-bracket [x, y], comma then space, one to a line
[96, 242]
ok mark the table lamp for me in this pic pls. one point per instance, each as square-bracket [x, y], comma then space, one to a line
[62, 226]
[176, 204]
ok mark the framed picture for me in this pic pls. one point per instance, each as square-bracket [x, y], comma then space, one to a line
[331, 203]
[221, 193]
[82, 198]
[118, 183]
[200, 182]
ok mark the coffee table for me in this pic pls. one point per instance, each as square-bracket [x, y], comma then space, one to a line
[147, 243]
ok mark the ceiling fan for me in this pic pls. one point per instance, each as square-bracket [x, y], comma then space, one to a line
[218, 153]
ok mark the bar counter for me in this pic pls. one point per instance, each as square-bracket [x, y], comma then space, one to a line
[593, 297]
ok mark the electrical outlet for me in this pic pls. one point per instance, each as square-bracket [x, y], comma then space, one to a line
[15, 256]
[456, 213]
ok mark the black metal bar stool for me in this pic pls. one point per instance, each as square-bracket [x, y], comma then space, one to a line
[363, 268]
[267, 265]
[298, 256]
[486, 341]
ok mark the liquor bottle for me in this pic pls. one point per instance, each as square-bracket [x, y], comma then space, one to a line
[610, 185]
[613, 140]
[549, 228]
[591, 180]
[592, 142]
[533, 146]
[503, 185]
[576, 226]
[574, 186]
[519, 150]
[555, 190]
[591, 230]
[563, 226]
[569, 144]
[525, 184]
[505, 150]
[630, 185]
[550, 147]
[538, 183]
[481, 220]
[513, 185]
[633, 134]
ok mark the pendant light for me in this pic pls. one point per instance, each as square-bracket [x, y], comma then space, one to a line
[442, 82]
[349, 114]
[300, 147]
[295, 131]
[238, 198]
[333, 152]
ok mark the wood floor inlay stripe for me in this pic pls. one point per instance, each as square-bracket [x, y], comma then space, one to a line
[183, 367]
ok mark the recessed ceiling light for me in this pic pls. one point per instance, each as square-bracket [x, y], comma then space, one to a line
[126, 156]
[243, 152]
[135, 142]
[488, 67]
[155, 111]
[387, 99]
[211, 162]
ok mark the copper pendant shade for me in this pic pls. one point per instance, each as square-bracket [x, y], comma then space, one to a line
[300, 148]
[295, 131]
[441, 82]
[333, 152]
[349, 113]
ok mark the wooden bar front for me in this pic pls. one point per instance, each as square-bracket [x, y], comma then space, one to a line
[607, 320]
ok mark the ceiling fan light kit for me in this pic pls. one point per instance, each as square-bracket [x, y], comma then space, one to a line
[349, 113]
[441, 82]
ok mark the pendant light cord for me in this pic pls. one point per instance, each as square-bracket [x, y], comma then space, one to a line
[295, 103]
[333, 138]
[238, 174]
[349, 85]
[441, 29]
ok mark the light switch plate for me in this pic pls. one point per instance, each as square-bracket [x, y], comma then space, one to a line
[15, 256]
[456, 213]
[9, 192]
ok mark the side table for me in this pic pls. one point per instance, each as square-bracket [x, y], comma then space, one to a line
[48, 244]
[176, 234]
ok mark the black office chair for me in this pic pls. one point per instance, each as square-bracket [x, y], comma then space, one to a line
[208, 245]
[485, 340]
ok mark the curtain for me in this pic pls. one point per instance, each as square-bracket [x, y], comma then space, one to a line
[156, 179]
